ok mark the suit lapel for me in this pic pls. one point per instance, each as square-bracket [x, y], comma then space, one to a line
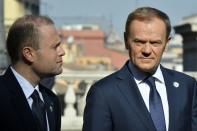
[19, 101]
[129, 89]
[49, 108]
[172, 96]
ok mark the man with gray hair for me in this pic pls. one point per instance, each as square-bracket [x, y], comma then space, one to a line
[143, 95]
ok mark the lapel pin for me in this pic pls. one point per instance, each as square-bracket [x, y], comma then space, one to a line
[51, 107]
[176, 84]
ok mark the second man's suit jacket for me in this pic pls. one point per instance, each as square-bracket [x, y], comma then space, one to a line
[15, 112]
[115, 103]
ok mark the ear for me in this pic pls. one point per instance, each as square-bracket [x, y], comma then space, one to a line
[169, 38]
[28, 54]
[125, 40]
[167, 41]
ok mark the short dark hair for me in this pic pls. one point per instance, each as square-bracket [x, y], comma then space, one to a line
[24, 32]
[147, 13]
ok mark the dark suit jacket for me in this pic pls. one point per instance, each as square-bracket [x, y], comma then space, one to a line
[115, 104]
[15, 112]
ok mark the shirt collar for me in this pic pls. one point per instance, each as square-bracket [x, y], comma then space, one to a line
[158, 75]
[26, 86]
[140, 76]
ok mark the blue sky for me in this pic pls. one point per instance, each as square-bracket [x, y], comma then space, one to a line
[114, 11]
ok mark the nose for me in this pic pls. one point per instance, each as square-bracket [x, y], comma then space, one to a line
[146, 51]
[61, 51]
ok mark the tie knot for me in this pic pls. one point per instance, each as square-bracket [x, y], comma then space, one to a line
[35, 96]
[151, 81]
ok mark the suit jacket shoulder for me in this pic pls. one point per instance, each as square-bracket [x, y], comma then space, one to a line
[15, 111]
[176, 73]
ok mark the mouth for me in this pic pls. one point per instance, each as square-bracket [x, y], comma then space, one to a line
[60, 61]
[146, 59]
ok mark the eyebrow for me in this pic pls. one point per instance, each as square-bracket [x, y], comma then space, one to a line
[156, 41]
[58, 43]
[137, 39]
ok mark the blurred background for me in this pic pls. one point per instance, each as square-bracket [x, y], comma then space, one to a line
[92, 34]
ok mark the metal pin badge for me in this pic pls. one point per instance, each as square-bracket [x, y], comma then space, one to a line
[51, 108]
[176, 84]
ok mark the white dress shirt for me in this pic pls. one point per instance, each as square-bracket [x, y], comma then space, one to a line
[28, 89]
[145, 89]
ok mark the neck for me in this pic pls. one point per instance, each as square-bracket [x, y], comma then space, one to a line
[26, 71]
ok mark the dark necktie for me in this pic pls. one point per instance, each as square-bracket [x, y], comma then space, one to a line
[38, 109]
[155, 106]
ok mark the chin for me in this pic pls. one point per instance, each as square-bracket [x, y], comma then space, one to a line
[59, 71]
[54, 73]
[150, 70]
[147, 69]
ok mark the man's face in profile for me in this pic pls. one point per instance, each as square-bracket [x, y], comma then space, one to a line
[49, 55]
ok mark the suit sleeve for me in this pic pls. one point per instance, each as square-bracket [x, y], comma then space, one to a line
[194, 108]
[97, 115]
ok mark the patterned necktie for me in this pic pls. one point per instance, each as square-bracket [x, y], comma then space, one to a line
[155, 106]
[38, 109]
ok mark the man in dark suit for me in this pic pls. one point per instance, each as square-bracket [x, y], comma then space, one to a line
[34, 47]
[143, 95]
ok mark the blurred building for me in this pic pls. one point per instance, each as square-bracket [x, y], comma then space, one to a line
[187, 28]
[172, 57]
[86, 48]
[114, 41]
[17, 8]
